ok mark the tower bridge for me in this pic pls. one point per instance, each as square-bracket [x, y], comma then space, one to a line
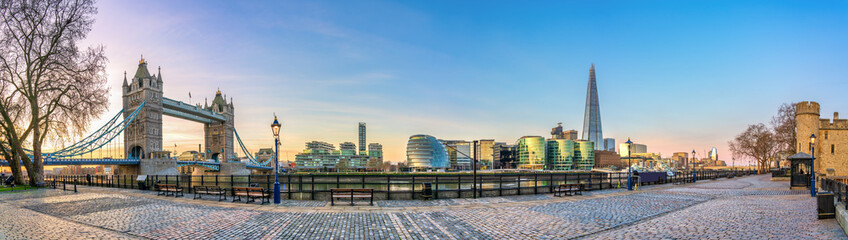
[140, 123]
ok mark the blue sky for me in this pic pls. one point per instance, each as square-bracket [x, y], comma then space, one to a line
[675, 75]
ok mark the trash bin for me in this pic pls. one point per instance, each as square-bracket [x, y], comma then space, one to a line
[142, 179]
[825, 205]
[426, 191]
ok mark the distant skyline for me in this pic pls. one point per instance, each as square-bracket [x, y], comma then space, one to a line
[674, 75]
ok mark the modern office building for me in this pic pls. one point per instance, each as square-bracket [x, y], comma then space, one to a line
[323, 156]
[375, 152]
[592, 116]
[609, 144]
[459, 152]
[584, 155]
[531, 152]
[362, 138]
[485, 153]
[714, 154]
[560, 154]
[426, 152]
[680, 159]
[634, 149]
[503, 156]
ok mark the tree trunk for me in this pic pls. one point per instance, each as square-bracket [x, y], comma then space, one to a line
[36, 172]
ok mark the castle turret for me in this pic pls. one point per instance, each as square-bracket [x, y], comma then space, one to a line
[807, 122]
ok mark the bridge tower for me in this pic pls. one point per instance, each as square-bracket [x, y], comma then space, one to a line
[144, 134]
[219, 136]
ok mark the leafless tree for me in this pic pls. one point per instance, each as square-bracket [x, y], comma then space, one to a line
[63, 86]
[758, 143]
[784, 131]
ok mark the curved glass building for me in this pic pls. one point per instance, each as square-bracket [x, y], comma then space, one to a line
[560, 154]
[584, 155]
[530, 152]
[425, 151]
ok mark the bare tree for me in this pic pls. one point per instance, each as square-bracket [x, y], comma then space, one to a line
[784, 131]
[758, 143]
[63, 87]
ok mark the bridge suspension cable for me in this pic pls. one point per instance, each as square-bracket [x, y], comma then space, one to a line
[96, 140]
[250, 157]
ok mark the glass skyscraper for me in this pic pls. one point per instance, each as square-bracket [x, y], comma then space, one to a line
[592, 117]
[560, 154]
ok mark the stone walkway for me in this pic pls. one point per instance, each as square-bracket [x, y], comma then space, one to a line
[741, 208]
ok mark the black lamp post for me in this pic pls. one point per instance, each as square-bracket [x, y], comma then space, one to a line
[275, 127]
[629, 165]
[813, 166]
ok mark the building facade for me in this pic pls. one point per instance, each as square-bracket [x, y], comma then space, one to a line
[426, 152]
[592, 117]
[560, 154]
[459, 152]
[485, 153]
[503, 156]
[635, 148]
[608, 159]
[831, 145]
[531, 152]
[362, 138]
[609, 144]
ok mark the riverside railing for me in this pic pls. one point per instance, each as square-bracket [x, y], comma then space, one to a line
[839, 188]
[396, 186]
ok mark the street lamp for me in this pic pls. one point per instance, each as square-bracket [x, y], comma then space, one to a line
[813, 166]
[629, 165]
[275, 127]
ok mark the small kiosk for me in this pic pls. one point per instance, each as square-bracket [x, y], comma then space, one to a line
[801, 166]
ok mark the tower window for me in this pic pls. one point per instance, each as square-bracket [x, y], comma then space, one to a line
[825, 135]
[140, 83]
[832, 147]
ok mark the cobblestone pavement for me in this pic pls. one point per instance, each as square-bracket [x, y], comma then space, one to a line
[741, 208]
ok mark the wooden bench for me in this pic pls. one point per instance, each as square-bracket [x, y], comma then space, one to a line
[568, 189]
[251, 193]
[210, 190]
[352, 193]
[169, 190]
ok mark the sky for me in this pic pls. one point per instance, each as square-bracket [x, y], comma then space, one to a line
[674, 75]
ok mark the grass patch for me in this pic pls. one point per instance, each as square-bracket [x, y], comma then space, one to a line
[16, 188]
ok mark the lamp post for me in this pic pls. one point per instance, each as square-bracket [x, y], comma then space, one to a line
[694, 175]
[629, 165]
[813, 166]
[275, 127]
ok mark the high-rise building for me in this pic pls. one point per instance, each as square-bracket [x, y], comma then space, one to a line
[570, 134]
[426, 152]
[609, 144]
[592, 116]
[714, 154]
[634, 149]
[681, 159]
[485, 154]
[362, 138]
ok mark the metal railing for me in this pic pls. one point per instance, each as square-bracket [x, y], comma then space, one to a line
[839, 188]
[391, 186]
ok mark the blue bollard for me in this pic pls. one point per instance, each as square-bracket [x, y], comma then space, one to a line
[694, 177]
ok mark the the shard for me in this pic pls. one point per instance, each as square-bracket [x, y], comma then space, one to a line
[592, 117]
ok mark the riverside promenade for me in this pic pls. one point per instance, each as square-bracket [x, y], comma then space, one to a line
[750, 207]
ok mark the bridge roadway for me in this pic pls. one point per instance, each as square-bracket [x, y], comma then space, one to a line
[129, 161]
[741, 208]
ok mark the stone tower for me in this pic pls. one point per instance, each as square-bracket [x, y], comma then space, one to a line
[592, 117]
[220, 136]
[144, 134]
[807, 123]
